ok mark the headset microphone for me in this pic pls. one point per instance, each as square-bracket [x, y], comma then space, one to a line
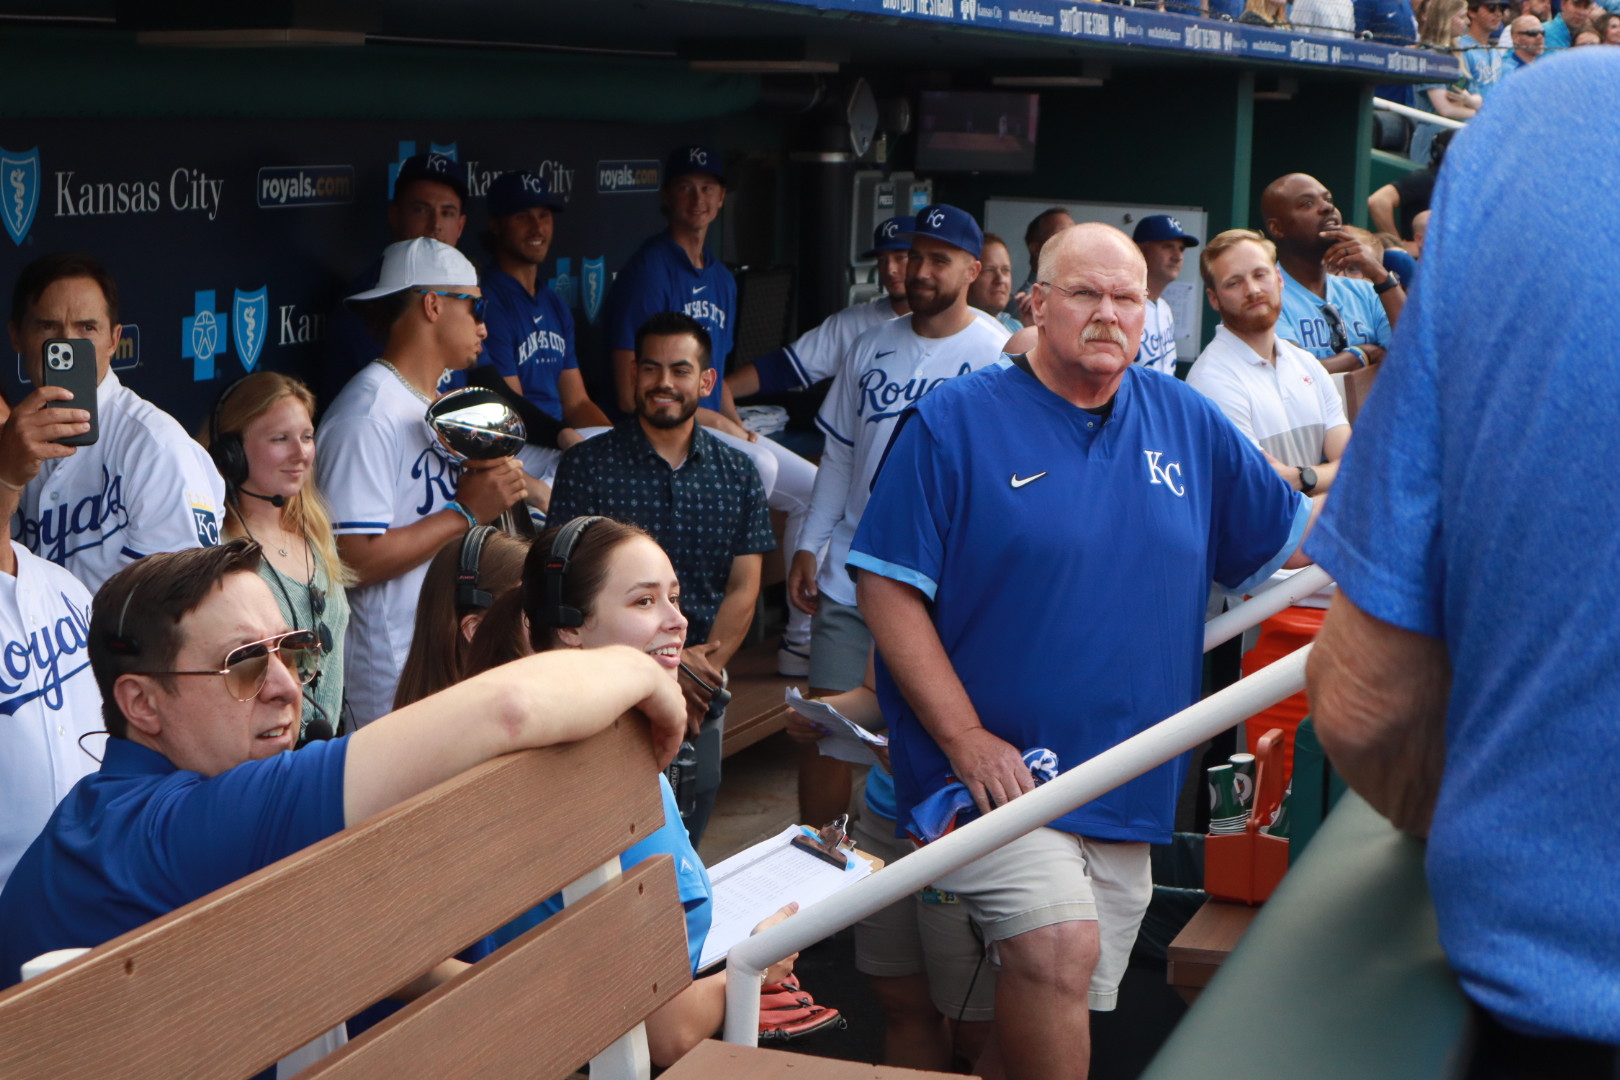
[278, 501]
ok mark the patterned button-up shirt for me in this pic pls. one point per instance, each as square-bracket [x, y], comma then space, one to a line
[704, 514]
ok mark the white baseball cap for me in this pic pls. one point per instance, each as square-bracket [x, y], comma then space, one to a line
[423, 261]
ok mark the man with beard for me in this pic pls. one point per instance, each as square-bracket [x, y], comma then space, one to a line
[888, 369]
[700, 499]
[992, 289]
[1282, 398]
[1044, 591]
[818, 353]
[1344, 322]
[1164, 246]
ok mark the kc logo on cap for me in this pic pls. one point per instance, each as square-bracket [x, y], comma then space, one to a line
[952, 225]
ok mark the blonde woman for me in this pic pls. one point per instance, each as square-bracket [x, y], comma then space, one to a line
[262, 438]
[1444, 21]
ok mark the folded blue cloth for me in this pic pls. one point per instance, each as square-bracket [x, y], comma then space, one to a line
[952, 805]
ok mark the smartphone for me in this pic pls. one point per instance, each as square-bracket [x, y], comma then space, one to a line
[71, 363]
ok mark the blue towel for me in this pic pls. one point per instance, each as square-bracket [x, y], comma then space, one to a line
[952, 805]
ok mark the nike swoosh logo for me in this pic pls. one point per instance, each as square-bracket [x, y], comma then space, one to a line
[537, 319]
[881, 355]
[698, 288]
[1018, 481]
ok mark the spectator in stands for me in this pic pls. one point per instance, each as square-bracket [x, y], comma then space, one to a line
[818, 353]
[944, 337]
[143, 486]
[1589, 36]
[1607, 25]
[429, 199]
[991, 291]
[1272, 13]
[1444, 24]
[200, 680]
[1332, 18]
[262, 438]
[531, 334]
[395, 493]
[699, 498]
[1410, 194]
[1480, 52]
[47, 694]
[1460, 703]
[1528, 39]
[1573, 17]
[971, 585]
[675, 271]
[1282, 399]
[1343, 322]
[1042, 227]
[924, 959]
[1164, 245]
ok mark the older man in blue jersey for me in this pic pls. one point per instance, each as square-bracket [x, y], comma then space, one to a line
[1048, 592]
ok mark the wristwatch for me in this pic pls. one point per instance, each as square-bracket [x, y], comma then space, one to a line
[1307, 479]
[1391, 282]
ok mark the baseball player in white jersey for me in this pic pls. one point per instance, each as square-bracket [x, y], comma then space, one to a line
[887, 370]
[1163, 243]
[143, 486]
[396, 495]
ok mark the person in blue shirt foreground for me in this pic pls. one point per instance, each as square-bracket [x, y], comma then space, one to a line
[1463, 702]
[201, 689]
[1048, 592]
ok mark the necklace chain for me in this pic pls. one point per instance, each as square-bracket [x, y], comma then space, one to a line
[424, 398]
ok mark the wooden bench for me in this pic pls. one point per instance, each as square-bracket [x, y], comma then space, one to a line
[1203, 945]
[756, 710]
[229, 984]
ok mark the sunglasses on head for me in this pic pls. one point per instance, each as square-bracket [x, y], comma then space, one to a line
[478, 302]
[1338, 333]
[247, 667]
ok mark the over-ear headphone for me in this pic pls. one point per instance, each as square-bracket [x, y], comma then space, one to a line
[230, 456]
[555, 612]
[469, 596]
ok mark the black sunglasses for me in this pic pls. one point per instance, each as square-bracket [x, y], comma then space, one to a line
[1338, 333]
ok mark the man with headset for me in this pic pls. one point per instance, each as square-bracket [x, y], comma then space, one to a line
[200, 678]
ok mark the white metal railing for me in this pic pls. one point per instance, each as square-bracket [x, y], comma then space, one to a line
[1417, 115]
[1080, 785]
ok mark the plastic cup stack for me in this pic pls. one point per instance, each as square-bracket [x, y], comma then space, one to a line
[1227, 814]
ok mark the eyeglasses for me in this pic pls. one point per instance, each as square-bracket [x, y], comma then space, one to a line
[248, 666]
[1090, 298]
[478, 302]
[1529, 33]
[1338, 333]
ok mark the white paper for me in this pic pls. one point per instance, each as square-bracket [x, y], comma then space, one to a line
[846, 740]
[754, 883]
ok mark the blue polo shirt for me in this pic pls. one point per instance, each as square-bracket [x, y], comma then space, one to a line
[1461, 478]
[139, 838]
[531, 337]
[1303, 322]
[659, 277]
[1069, 566]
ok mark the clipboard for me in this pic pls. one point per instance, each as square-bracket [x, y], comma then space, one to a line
[757, 881]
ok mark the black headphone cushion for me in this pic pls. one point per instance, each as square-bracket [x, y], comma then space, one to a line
[230, 458]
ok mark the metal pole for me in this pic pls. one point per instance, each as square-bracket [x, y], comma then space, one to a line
[1416, 114]
[1263, 605]
[1080, 785]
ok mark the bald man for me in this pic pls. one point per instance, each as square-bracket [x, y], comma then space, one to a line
[1344, 321]
[1044, 596]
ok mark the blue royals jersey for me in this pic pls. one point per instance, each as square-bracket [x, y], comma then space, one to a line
[531, 337]
[659, 277]
[1305, 324]
[1069, 559]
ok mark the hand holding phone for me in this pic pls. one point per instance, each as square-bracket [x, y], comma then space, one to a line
[71, 364]
[32, 433]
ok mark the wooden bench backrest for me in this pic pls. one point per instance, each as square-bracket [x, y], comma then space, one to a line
[230, 983]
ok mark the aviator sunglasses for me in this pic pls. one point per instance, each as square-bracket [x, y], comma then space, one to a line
[248, 666]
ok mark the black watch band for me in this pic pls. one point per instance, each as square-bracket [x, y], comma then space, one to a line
[1391, 282]
[1307, 479]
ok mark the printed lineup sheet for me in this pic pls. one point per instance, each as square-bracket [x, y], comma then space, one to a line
[845, 739]
[755, 882]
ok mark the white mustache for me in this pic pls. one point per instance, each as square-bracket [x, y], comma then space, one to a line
[1096, 331]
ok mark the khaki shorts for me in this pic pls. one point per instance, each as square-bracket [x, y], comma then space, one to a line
[892, 942]
[839, 645]
[1048, 877]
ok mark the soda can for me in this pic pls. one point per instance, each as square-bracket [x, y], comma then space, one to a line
[1226, 813]
[1243, 770]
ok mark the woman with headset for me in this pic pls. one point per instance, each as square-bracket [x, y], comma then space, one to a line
[262, 439]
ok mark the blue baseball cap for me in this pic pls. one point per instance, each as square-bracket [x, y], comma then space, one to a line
[514, 191]
[1156, 227]
[435, 167]
[694, 159]
[947, 223]
[893, 235]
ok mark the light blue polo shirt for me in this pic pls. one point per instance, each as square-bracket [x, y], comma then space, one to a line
[1303, 322]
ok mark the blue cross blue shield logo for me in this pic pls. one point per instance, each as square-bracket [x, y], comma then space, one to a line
[250, 315]
[19, 191]
[593, 283]
[204, 336]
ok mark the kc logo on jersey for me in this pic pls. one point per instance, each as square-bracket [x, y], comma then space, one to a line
[55, 534]
[887, 399]
[1161, 474]
[594, 284]
[19, 191]
[250, 316]
[38, 660]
